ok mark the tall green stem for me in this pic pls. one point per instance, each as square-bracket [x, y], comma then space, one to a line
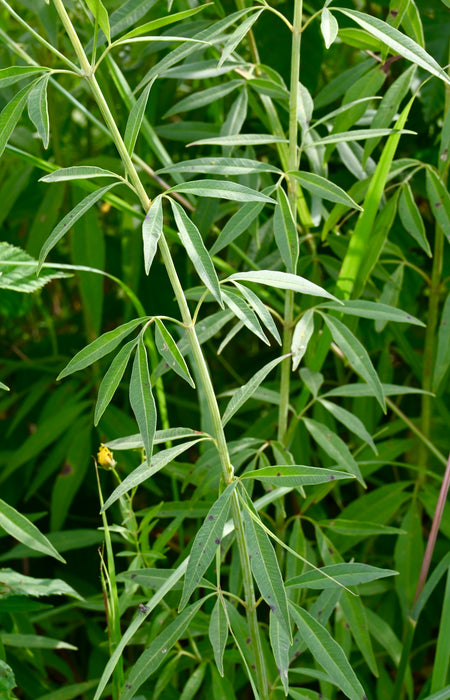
[292, 196]
[207, 386]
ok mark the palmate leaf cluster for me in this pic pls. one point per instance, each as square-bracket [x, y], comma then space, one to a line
[267, 268]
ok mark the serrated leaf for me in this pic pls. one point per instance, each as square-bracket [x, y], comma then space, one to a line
[334, 446]
[442, 362]
[261, 310]
[301, 337]
[78, 172]
[350, 421]
[101, 15]
[295, 475]
[38, 109]
[112, 379]
[356, 355]
[439, 199]
[168, 349]
[242, 394]
[321, 187]
[18, 270]
[141, 398]
[328, 27]
[152, 228]
[218, 633]
[239, 307]
[100, 347]
[205, 544]
[19, 527]
[411, 218]
[282, 280]
[135, 118]
[221, 189]
[327, 652]
[285, 232]
[10, 115]
[67, 222]
[351, 574]
[195, 248]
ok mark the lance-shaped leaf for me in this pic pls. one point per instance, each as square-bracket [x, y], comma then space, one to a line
[19, 527]
[206, 541]
[281, 646]
[218, 632]
[195, 248]
[328, 27]
[220, 166]
[221, 189]
[260, 309]
[333, 446]
[356, 135]
[321, 187]
[10, 115]
[285, 232]
[327, 653]
[282, 280]
[11, 75]
[350, 421]
[194, 101]
[244, 313]
[356, 355]
[150, 27]
[295, 475]
[439, 199]
[242, 394]
[411, 218]
[154, 655]
[141, 398]
[240, 140]
[100, 347]
[78, 172]
[168, 349]
[101, 15]
[237, 224]
[112, 379]
[265, 568]
[152, 228]
[442, 362]
[38, 109]
[135, 119]
[373, 309]
[236, 37]
[351, 574]
[70, 218]
[301, 337]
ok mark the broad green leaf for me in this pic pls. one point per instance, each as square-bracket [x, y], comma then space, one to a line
[237, 36]
[261, 310]
[101, 16]
[19, 527]
[18, 270]
[321, 187]
[329, 27]
[10, 115]
[356, 355]
[100, 347]
[373, 309]
[442, 362]
[154, 655]
[11, 75]
[350, 420]
[141, 398]
[221, 189]
[351, 574]
[295, 475]
[112, 379]
[301, 337]
[218, 633]
[199, 99]
[78, 172]
[282, 280]
[281, 647]
[220, 166]
[239, 307]
[67, 222]
[285, 231]
[327, 652]
[265, 568]
[242, 394]
[205, 544]
[237, 224]
[240, 140]
[195, 248]
[334, 446]
[33, 641]
[135, 118]
[17, 584]
[152, 228]
[411, 218]
[396, 41]
[439, 199]
[38, 109]
[168, 349]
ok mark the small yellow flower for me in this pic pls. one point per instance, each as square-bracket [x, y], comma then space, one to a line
[105, 457]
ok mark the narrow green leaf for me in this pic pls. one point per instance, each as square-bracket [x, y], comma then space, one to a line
[295, 475]
[78, 172]
[411, 218]
[240, 140]
[237, 224]
[218, 633]
[359, 527]
[327, 652]
[101, 15]
[141, 398]
[237, 36]
[205, 544]
[281, 647]
[442, 362]
[351, 574]
[328, 27]
[199, 99]
[162, 22]
[285, 231]
[33, 641]
[168, 349]
[439, 199]
[195, 248]
[194, 682]
[355, 390]
[301, 337]
[242, 394]
[19, 527]
[356, 355]
[239, 307]
[18, 584]
[354, 613]
[10, 115]
[131, 442]
[259, 308]
[38, 109]
[442, 654]
[220, 166]
[396, 41]
[152, 228]
[70, 218]
[135, 118]
[350, 421]
[3, 386]
[282, 280]
[373, 309]
[112, 379]
[334, 446]
[356, 135]
[154, 655]
[100, 347]
[11, 75]
[221, 189]
[321, 187]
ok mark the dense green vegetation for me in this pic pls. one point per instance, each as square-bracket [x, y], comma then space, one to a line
[224, 259]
